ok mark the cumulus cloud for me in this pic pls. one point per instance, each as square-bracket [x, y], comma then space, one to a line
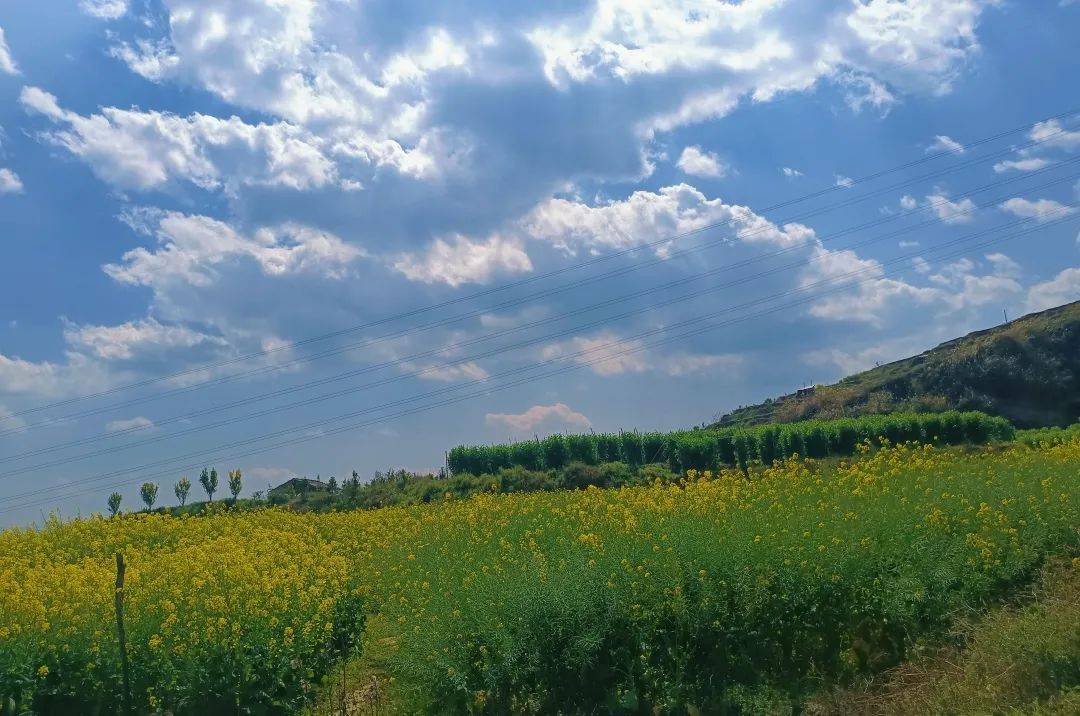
[1050, 135]
[873, 295]
[699, 163]
[1054, 136]
[49, 378]
[791, 172]
[951, 212]
[146, 150]
[9, 182]
[945, 143]
[552, 417]
[104, 9]
[469, 370]
[139, 422]
[608, 354]
[1004, 265]
[191, 248]
[646, 217]
[1063, 288]
[125, 340]
[460, 260]
[846, 182]
[1024, 165]
[1041, 210]
[7, 64]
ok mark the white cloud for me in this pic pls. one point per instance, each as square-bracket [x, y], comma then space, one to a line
[446, 373]
[154, 60]
[139, 422]
[1023, 165]
[761, 50]
[7, 63]
[646, 217]
[1040, 210]
[9, 422]
[957, 286]
[1063, 288]
[1004, 265]
[192, 248]
[846, 182]
[310, 63]
[1054, 136]
[607, 354]
[124, 341]
[689, 363]
[863, 90]
[104, 9]
[944, 143]
[460, 260]
[696, 162]
[146, 150]
[790, 172]
[49, 379]
[9, 182]
[927, 38]
[1050, 135]
[552, 417]
[951, 212]
[908, 202]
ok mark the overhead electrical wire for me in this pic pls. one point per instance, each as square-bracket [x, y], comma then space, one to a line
[842, 285]
[592, 261]
[930, 207]
[518, 301]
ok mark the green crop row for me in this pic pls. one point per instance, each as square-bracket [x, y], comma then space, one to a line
[731, 447]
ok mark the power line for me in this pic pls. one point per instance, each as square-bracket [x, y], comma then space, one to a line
[514, 302]
[542, 276]
[840, 280]
[461, 344]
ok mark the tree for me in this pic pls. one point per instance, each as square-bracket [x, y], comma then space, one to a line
[209, 482]
[235, 484]
[149, 494]
[114, 504]
[182, 488]
[331, 485]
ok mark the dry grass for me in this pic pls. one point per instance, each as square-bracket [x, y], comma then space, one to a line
[1019, 658]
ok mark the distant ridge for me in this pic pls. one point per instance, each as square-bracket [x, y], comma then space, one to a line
[1026, 370]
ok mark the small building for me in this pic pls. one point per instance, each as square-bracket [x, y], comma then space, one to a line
[298, 486]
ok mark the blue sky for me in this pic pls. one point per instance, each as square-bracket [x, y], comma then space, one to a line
[183, 182]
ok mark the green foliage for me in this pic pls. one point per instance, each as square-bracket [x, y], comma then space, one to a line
[148, 492]
[181, 490]
[235, 483]
[711, 449]
[1027, 371]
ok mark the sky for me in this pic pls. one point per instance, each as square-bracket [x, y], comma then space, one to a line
[306, 237]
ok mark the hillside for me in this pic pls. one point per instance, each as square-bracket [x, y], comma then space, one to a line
[1027, 370]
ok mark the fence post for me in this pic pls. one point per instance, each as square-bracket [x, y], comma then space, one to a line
[120, 634]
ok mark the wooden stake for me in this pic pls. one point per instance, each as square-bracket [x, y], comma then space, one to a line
[120, 634]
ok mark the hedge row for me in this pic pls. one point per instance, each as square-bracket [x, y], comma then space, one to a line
[713, 448]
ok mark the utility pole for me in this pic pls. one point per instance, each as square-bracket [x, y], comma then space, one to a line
[1006, 314]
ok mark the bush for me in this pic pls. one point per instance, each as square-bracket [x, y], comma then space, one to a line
[578, 476]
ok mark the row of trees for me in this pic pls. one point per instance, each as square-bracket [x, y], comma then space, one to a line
[208, 479]
[708, 449]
